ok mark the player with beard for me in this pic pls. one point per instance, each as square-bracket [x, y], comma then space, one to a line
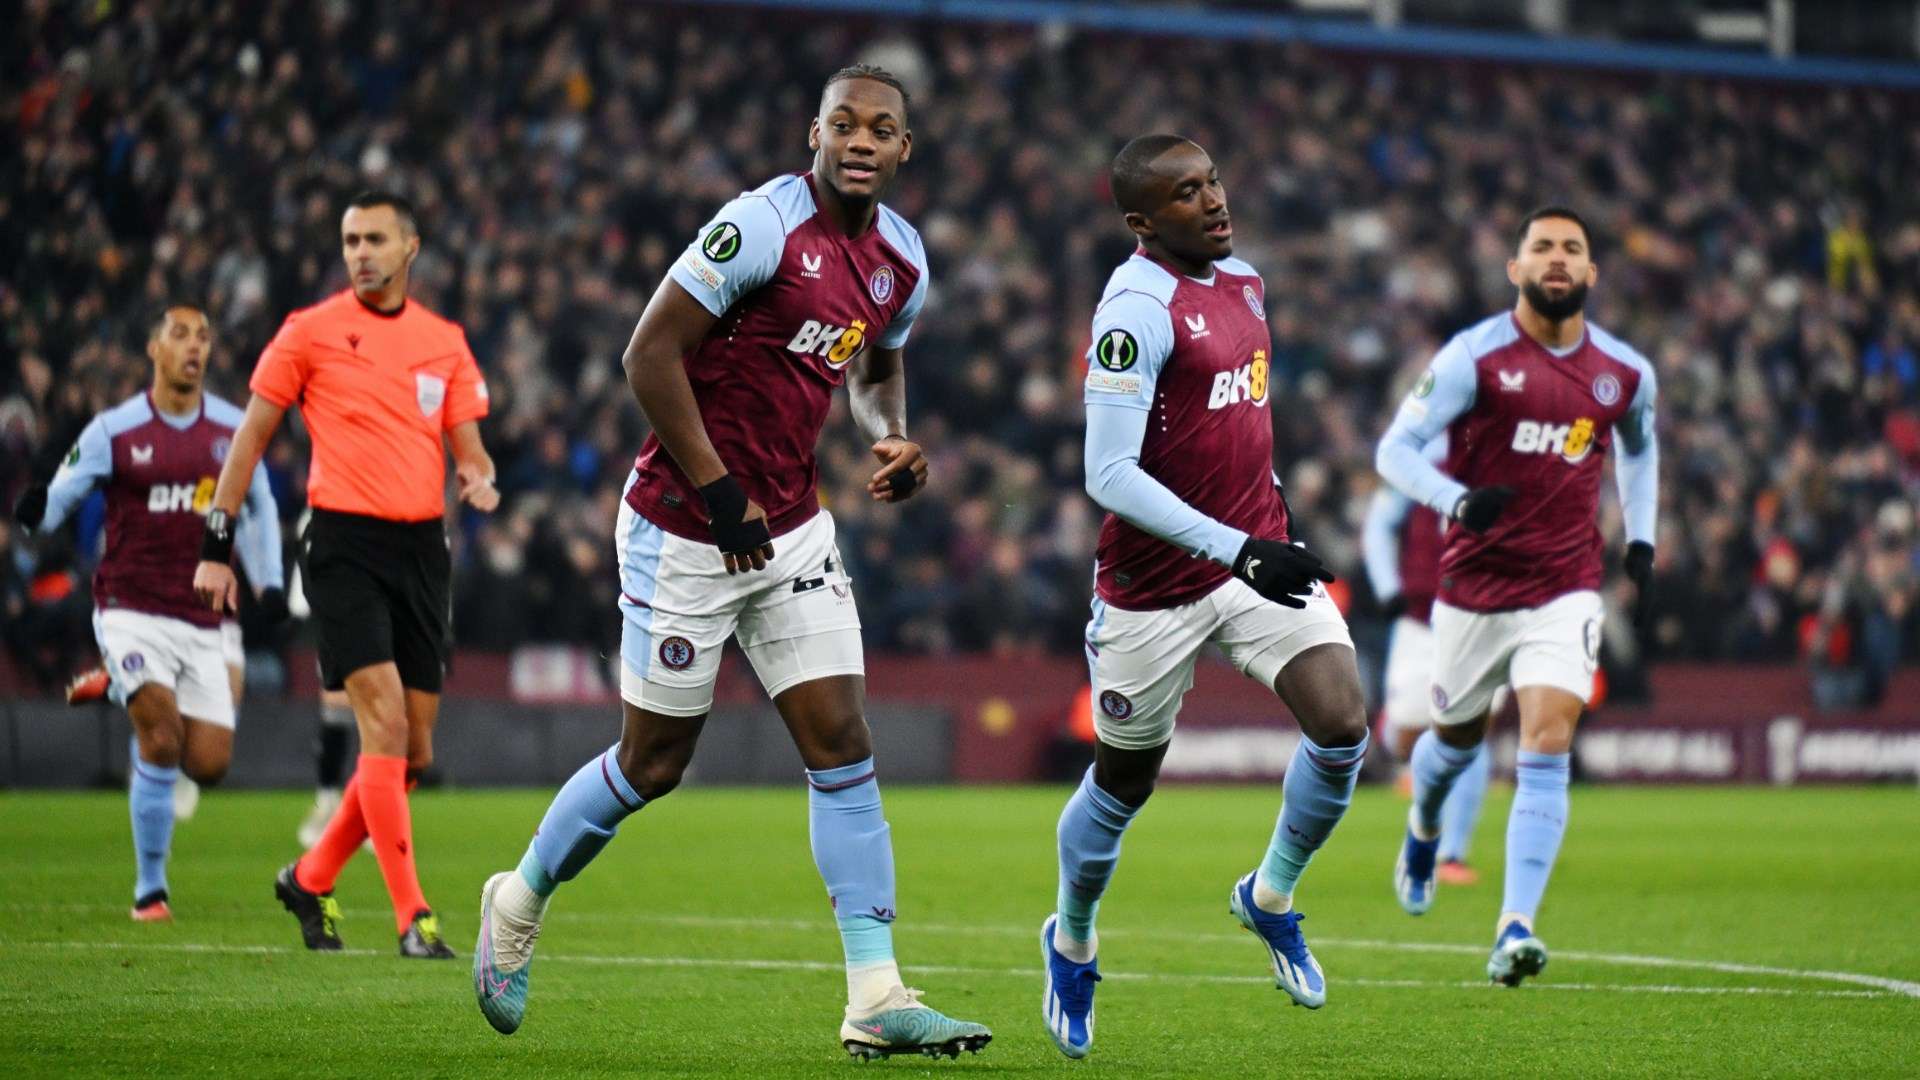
[1530, 401]
[793, 289]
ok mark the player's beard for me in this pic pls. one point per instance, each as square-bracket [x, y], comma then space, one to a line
[1550, 309]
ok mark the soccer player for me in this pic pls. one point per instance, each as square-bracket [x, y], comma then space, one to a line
[383, 385]
[1530, 400]
[1194, 549]
[156, 456]
[1401, 544]
[792, 289]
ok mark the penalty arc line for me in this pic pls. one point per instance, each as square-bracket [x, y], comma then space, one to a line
[945, 969]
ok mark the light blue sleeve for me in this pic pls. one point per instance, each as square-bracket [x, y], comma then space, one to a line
[1637, 470]
[735, 253]
[87, 466]
[1116, 481]
[257, 535]
[1442, 396]
[1132, 339]
[895, 335]
[1380, 540]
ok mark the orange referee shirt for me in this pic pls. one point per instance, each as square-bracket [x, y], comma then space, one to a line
[377, 392]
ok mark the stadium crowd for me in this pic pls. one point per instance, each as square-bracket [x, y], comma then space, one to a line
[1761, 245]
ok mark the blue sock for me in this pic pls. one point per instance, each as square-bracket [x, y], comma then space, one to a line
[1534, 828]
[1090, 830]
[1461, 812]
[582, 818]
[1314, 797]
[853, 849]
[1435, 768]
[150, 804]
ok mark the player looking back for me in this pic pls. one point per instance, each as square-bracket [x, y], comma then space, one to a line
[1194, 549]
[791, 290]
[385, 387]
[1401, 541]
[156, 456]
[1530, 400]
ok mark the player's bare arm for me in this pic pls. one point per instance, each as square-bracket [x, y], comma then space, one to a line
[877, 395]
[213, 579]
[473, 467]
[673, 324]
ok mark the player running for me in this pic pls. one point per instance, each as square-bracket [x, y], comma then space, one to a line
[1530, 400]
[1194, 550]
[165, 655]
[385, 387]
[792, 289]
[1401, 543]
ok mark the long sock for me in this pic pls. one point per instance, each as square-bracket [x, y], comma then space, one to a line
[1314, 797]
[1534, 829]
[346, 831]
[1435, 768]
[150, 804]
[1461, 812]
[1089, 836]
[336, 735]
[853, 849]
[383, 801]
[583, 816]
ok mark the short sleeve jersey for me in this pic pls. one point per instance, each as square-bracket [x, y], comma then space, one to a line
[796, 301]
[378, 392]
[1541, 424]
[1194, 355]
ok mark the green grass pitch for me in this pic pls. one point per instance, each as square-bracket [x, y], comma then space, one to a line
[1695, 932]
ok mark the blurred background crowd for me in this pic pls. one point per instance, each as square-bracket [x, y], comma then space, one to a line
[1760, 244]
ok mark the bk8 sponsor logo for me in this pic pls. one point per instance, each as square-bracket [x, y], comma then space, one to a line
[839, 345]
[1248, 382]
[1571, 441]
[169, 498]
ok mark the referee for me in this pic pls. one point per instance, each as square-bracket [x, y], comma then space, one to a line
[382, 383]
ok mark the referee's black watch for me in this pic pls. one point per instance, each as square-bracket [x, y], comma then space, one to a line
[216, 543]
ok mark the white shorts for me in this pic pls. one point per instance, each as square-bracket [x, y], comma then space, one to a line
[232, 646]
[1142, 661]
[189, 660]
[795, 620]
[1409, 674]
[1475, 653]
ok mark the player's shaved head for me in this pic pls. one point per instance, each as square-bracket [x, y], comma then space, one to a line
[871, 72]
[1133, 174]
[177, 311]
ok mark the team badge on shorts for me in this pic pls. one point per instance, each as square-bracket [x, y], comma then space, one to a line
[1115, 704]
[880, 285]
[1606, 389]
[1253, 302]
[133, 662]
[677, 653]
[1439, 697]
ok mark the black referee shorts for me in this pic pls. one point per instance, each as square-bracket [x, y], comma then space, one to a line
[380, 591]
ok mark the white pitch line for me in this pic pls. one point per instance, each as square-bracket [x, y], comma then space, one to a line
[753, 964]
[1901, 987]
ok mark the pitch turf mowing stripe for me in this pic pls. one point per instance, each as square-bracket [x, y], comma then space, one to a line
[1892, 987]
[945, 969]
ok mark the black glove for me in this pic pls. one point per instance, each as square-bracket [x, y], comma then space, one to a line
[726, 506]
[271, 606]
[902, 482]
[1279, 571]
[1639, 566]
[32, 506]
[1480, 508]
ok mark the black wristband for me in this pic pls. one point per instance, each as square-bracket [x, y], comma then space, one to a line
[902, 482]
[726, 500]
[216, 542]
